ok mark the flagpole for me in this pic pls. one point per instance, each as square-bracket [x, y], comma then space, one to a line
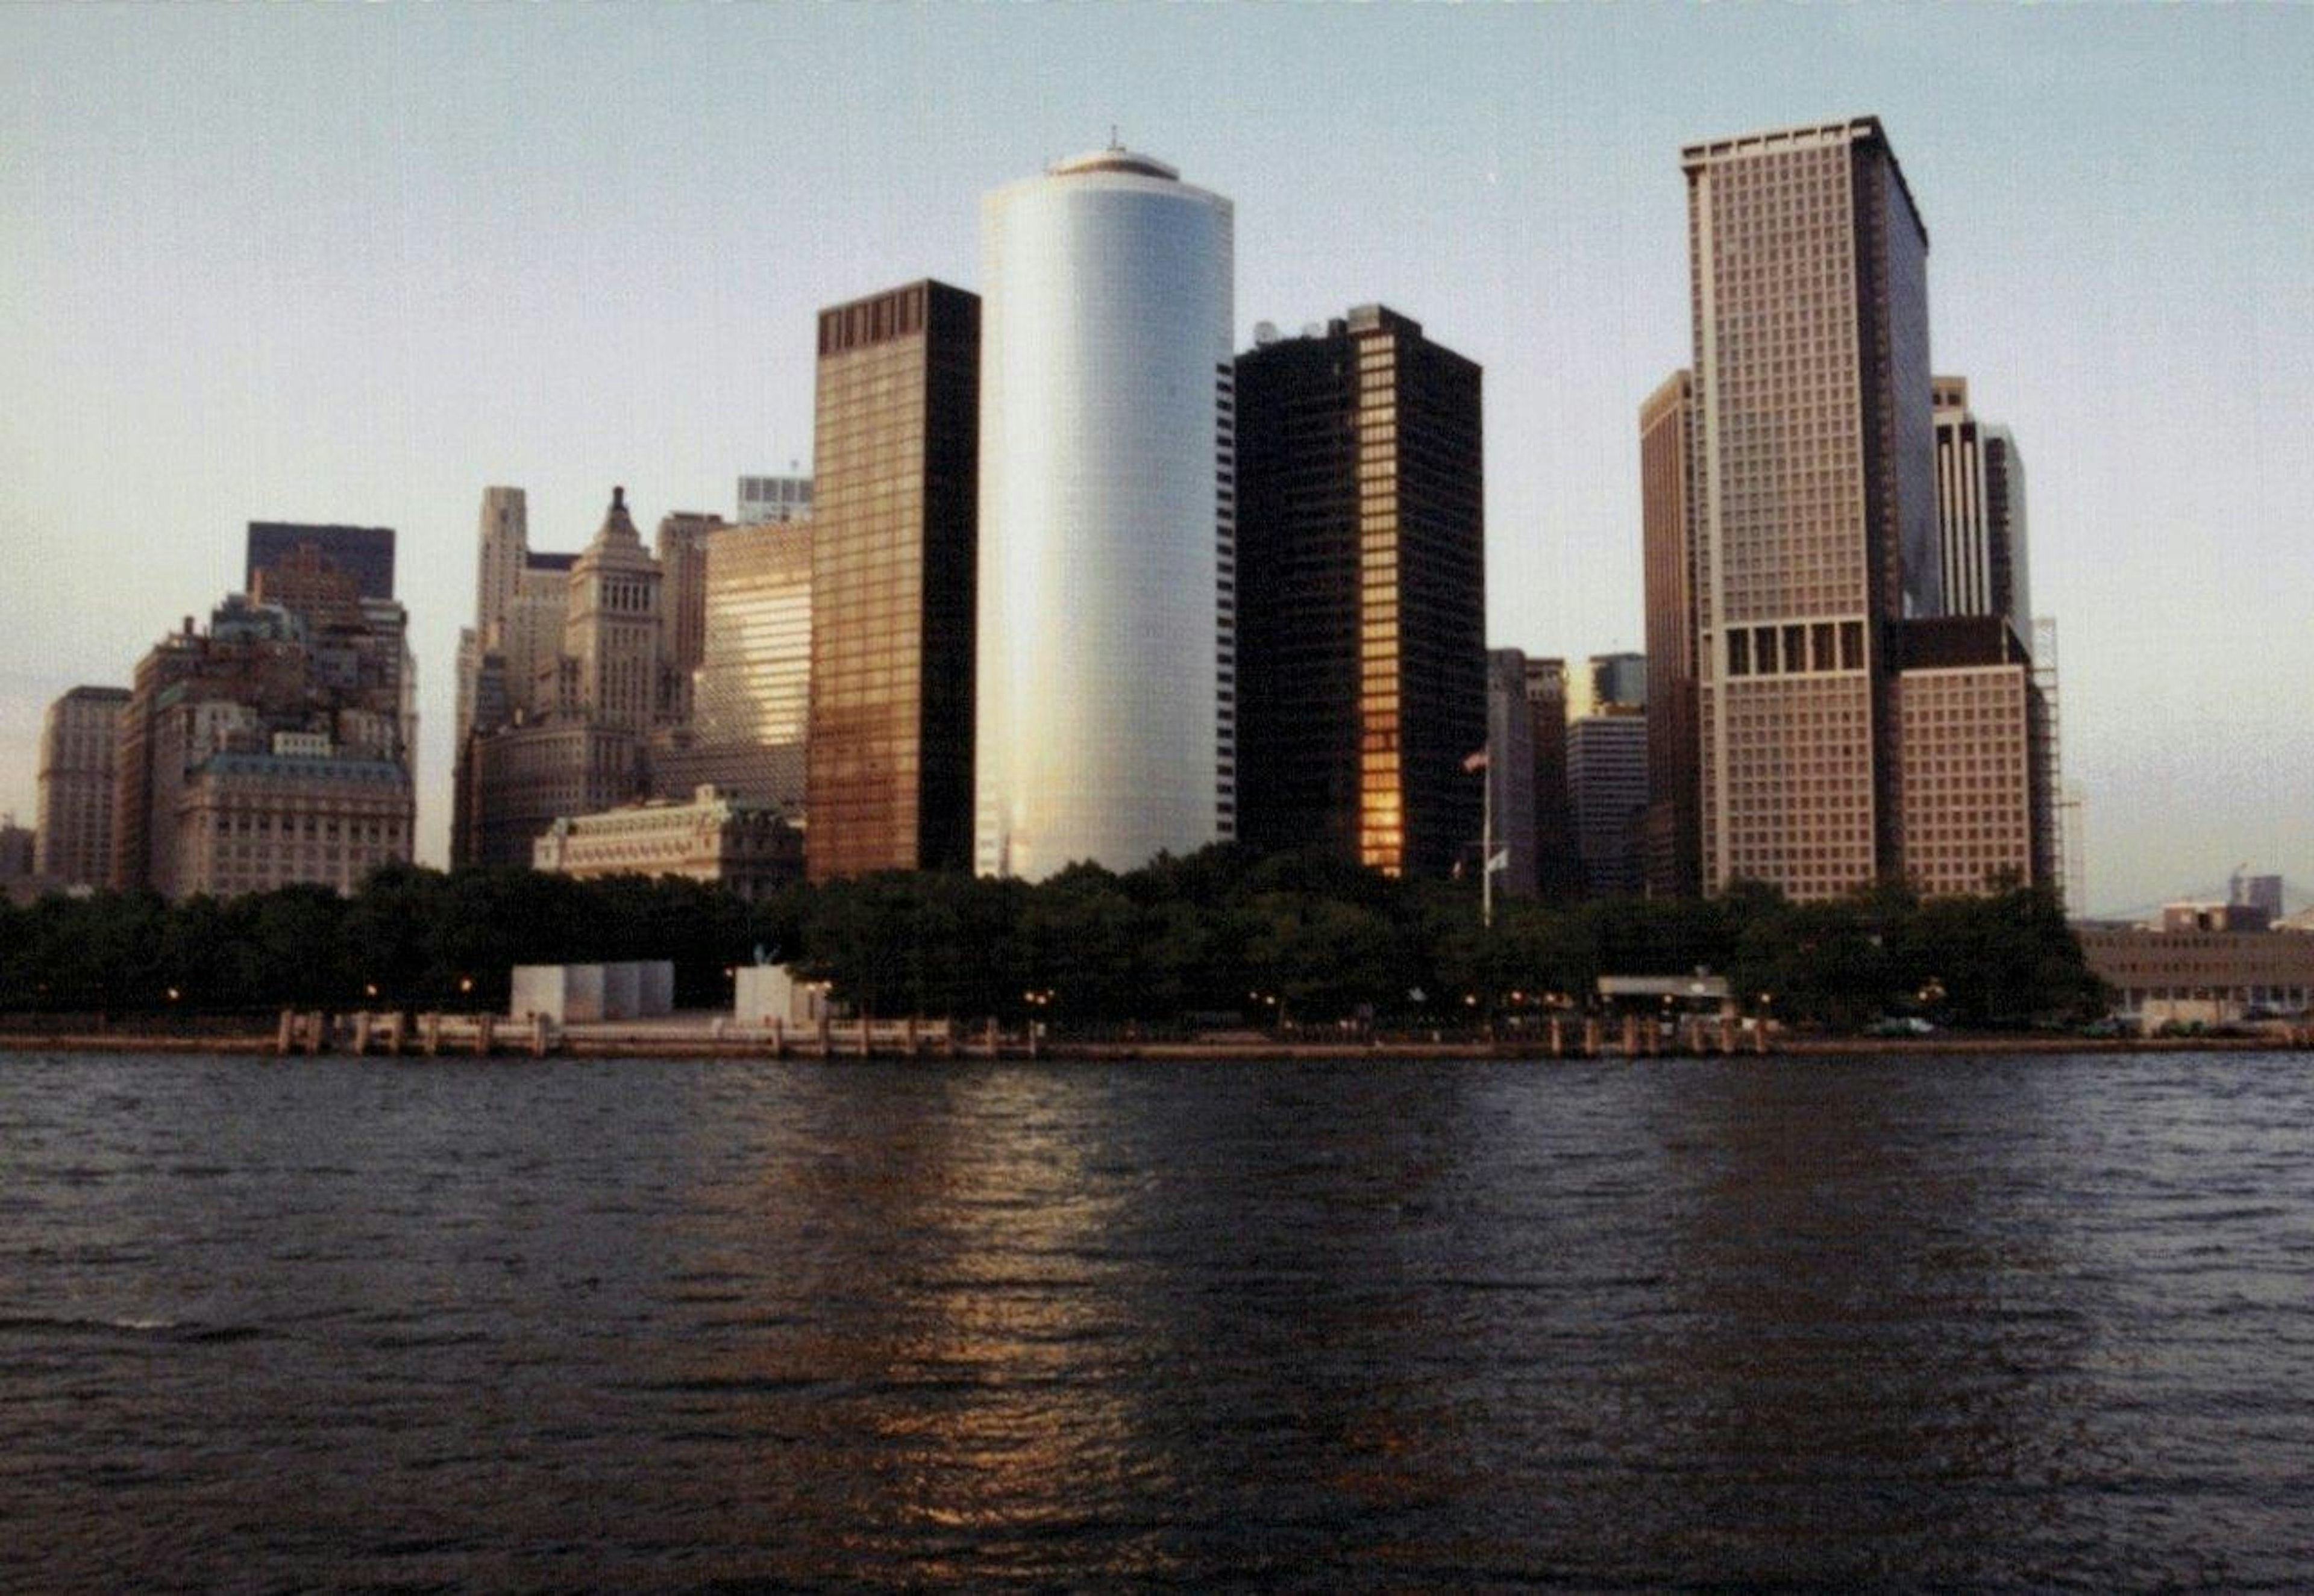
[1486, 840]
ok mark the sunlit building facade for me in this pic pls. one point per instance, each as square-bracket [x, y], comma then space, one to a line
[1362, 585]
[1106, 718]
[752, 696]
[894, 569]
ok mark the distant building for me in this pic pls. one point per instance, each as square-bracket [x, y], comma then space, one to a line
[1362, 685]
[577, 659]
[681, 550]
[749, 848]
[1105, 717]
[1510, 771]
[764, 499]
[365, 553]
[1559, 874]
[1619, 684]
[1607, 782]
[1672, 847]
[2201, 968]
[751, 696]
[1980, 513]
[16, 849]
[2260, 892]
[274, 748]
[525, 777]
[78, 740]
[894, 573]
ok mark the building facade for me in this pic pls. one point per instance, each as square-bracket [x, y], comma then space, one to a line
[1815, 499]
[273, 748]
[894, 579]
[2196, 970]
[1558, 875]
[78, 741]
[1671, 846]
[752, 693]
[681, 550]
[1607, 785]
[1105, 715]
[1362, 681]
[1972, 759]
[747, 848]
[525, 777]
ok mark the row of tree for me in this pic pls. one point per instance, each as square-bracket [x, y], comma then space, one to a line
[1219, 935]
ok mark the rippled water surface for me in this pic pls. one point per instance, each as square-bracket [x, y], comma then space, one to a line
[1949, 1322]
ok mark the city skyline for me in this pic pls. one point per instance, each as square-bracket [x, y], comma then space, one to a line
[2111, 266]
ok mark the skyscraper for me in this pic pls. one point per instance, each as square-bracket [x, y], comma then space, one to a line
[1980, 513]
[681, 550]
[1815, 525]
[894, 553]
[1363, 674]
[78, 742]
[1558, 875]
[1607, 786]
[611, 634]
[1671, 848]
[1106, 718]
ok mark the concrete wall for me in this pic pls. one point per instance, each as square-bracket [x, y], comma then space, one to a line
[764, 992]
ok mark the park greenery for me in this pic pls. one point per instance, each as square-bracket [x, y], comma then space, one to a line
[1220, 937]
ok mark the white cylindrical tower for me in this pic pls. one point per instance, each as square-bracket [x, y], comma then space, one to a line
[1106, 681]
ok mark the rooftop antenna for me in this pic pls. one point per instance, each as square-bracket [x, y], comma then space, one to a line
[1112, 137]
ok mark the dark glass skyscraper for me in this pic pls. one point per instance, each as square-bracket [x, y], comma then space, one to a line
[1672, 849]
[894, 547]
[365, 553]
[1362, 658]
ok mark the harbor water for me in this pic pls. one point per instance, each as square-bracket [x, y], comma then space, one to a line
[1943, 1321]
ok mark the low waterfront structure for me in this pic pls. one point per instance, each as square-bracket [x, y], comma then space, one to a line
[2203, 971]
[749, 846]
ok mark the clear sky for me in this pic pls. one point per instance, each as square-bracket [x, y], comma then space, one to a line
[354, 263]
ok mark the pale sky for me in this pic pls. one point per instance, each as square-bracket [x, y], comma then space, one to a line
[355, 263]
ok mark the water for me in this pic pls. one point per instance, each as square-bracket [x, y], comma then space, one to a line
[1953, 1322]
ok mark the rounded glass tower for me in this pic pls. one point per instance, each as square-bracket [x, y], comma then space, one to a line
[1106, 646]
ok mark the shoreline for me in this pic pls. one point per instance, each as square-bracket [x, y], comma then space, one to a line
[693, 1045]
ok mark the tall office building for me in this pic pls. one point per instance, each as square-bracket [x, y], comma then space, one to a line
[1361, 594]
[1559, 877]
[1672, 842]
[77, 742]
[895, 446]
[563, 679]
[681, 550]
[1106, 691]
[1815, 497]
[1980, 513]
[611, 633]
[365, 553]
[1607, 787]
[751, 695]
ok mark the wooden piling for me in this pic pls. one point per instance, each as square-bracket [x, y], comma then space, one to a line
[1631, 1035]
[285, 1035]
[1592, 1040]
[1558, 1037]
[484, 1025]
